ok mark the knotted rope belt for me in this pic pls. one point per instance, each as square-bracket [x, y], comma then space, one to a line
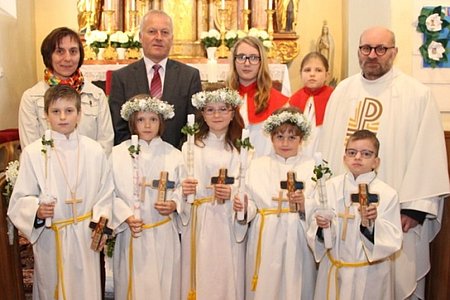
[130, 255]
[56, 227]
[192, 295]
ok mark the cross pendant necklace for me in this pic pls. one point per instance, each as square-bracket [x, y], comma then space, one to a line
[73, 191]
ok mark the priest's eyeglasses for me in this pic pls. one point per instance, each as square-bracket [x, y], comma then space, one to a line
[209, 111]
[366, 154]
[252, 59]
[380, 50]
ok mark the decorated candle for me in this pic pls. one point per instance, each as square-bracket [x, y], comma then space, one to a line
[244, 151]
[134, 140]
[191, 119]
[48, 135]
[318, 158]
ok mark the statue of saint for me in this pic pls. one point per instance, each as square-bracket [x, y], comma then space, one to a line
[325, 45]
[285, 15]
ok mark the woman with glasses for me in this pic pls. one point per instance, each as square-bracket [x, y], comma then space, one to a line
[250, 76]
[212, 259]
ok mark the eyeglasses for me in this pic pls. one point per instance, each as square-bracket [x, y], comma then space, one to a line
[380, 50]
[209, 111]
[252, 59]
[366, 154]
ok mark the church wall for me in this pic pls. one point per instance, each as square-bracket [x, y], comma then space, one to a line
[16, 60]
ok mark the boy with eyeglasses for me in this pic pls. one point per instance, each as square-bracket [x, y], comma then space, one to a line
[358, 265]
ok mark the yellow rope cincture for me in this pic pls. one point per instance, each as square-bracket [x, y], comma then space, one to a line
[192, 295]
[337, 264]
[130, 255]
[263, 212]
[56, 227]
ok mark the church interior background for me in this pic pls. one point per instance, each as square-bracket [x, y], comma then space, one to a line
[297, 27]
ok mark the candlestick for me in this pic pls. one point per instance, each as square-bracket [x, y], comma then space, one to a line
[223, 50]
[109, 18]
[133, 24]
[246, 13]
[245, 4]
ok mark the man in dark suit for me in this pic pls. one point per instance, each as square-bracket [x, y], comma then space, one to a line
[179, 81]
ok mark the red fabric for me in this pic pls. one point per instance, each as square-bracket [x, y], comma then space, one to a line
[8, 135]
[108, 82]
[276, 100]
[321, 97]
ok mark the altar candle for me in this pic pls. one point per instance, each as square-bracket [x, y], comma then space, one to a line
[133, 5]
[134, 140]
[270, 4]
[88, 5]
[108, 4]
[223, 4]
[245, 4]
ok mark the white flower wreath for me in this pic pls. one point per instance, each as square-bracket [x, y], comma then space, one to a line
[296, 119]
[147, 104]
[225, 95]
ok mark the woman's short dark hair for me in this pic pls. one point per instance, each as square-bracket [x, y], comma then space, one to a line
[53, 39]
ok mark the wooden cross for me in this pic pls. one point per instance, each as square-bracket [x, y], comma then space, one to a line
[143, 184]
[73, 201]
[364, 198]
[222, 178]
[163, 184]
[291, 185]
[345, 216]
[280, 201]
[100, 229]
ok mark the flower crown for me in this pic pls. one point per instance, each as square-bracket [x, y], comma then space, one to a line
[147, 103]
[297, 119]
[224, 95]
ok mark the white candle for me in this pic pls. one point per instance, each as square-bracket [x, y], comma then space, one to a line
[191, 119]
[318, 158]
[108, 4]
[134, 140]
[245, 4]
[270, 4]
[244, 151]
[133, 5]
[88, 5]
[223, 4]
[48, 135]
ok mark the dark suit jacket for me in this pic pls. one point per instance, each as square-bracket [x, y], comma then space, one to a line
[180, 83]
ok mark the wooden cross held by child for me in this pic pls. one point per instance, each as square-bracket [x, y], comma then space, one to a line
[222, 178]
[163, 184]
[364, 198]
[291, 185]
[100, 230]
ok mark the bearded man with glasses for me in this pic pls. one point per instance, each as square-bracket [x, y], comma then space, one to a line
[406, 120]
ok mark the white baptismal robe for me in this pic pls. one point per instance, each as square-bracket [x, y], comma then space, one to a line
[156, 252]
[80, 264]
[287, 269]
[220, 255]
[403, 114]
[362, 282]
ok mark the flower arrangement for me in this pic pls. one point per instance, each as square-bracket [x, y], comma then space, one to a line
[135, 41]
[244, 143]
[432, 23]
[96, 39]
[11, 173]
[134, 150]
[147, 104]
[46, 143]
[210, 38]
[321, 169]
[262, 35]
[120, 39]
[190, 129]
[224, 95]
[232, 36]
[297, 119]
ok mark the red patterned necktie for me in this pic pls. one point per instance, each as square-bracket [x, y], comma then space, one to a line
[155, 85]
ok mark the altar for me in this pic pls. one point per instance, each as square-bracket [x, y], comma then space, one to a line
[96, 71]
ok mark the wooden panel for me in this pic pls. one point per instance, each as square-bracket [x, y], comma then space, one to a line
[438, 280]
[11, 282]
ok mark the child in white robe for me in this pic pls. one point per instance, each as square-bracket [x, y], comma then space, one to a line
[62, 168]
[146, 260]
[212, 258]
[279, 263]
[359, 258]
